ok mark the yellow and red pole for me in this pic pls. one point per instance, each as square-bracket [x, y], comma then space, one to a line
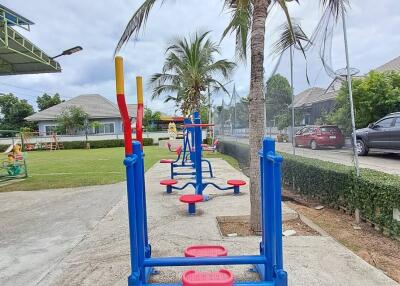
[119, 82]
[140, 110]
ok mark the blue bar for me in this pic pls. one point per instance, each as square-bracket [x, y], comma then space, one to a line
[139, 207]
[129, 163]
[268, 208]
[278, 212]
[197, 161]
[197, 261]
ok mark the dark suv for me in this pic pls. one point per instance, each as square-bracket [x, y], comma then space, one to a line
[383, 135]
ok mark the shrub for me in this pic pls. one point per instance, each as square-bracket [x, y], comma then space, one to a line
[374, 193]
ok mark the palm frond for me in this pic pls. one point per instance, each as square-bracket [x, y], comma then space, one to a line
[240, 24]
[290, 37]
[336, 6]
[137, 21]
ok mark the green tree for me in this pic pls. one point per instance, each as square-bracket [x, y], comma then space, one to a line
[189, 69]
[149, 118]
[375, 96]
[71, 120]
[248, 23]
[46, 101]
[278, 97]
[13, 112]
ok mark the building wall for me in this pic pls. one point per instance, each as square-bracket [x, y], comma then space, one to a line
[116, 121]
[312, 113]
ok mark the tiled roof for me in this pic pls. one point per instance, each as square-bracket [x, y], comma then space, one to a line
[393, 65]
[95, 105]
[307, 97]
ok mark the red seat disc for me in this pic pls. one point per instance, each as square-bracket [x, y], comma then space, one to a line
[236, 182]
[168, 182]
[168, 161]
[190, 199]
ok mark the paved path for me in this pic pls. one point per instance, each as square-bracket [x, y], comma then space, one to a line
[388, 163]
[95, 251]
[39, 228]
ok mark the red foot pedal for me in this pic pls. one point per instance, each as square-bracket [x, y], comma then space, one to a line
[194, 278]
[205, 251]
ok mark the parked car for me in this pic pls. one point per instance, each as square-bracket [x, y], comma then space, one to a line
[319, 136]
[383, 135]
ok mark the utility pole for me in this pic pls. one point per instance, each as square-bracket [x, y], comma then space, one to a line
[349, 82]
[292, 88]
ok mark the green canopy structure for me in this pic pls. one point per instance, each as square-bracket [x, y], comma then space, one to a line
[17, 54]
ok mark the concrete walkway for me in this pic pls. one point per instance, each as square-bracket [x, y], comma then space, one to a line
[99, 254]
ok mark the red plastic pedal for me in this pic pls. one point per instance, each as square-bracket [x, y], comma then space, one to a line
[194, 278]
[205, 251]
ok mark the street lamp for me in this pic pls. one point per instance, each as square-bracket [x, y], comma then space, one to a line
[69, 52]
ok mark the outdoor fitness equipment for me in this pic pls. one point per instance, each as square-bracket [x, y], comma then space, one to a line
[186, 155]
[195, 131]
[269, 263]
[13, 166]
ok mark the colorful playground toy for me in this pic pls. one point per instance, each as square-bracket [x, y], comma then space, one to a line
[186, 155]
[195, 131]
[268, 263]
[14, 167]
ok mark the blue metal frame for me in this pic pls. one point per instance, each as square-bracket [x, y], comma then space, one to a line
[269, 263]
[188, 155]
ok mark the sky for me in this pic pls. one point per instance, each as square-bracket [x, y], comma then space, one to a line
[98, 25]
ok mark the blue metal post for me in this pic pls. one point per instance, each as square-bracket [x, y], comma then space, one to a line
[139, 208]
[280, 273]
[130, 182]
[197, 147]
[192, 208]
[262, 194]
[268, 208]
[186, 143]
[146, 235]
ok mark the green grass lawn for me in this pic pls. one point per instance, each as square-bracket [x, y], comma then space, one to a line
[75, 168]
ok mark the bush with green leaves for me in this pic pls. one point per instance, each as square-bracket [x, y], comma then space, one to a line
[375, 96]
[374, 193]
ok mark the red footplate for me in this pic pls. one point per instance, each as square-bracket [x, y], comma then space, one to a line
[194, 278]
[205, 251]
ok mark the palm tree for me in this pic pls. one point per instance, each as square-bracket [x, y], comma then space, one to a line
[189, 69]
[247, 16]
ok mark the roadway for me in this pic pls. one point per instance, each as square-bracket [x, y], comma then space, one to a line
[388, 163]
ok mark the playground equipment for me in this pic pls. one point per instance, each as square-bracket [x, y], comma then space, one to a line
[195, 129]
[186, 155]
[269, 263]
[172, 132]
[209, 148]
[13, 166]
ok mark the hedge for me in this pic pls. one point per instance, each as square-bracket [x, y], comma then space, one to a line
[374, 193]
[97, 144]
[102, 143]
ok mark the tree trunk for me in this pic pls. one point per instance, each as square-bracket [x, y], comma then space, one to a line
[256, 106]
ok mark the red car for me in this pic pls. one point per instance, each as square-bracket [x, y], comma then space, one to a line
[319, 136]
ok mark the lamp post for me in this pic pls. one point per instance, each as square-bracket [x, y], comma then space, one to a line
[69, 52]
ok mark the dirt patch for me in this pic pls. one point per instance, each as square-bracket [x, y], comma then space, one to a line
[371, 245]
[240, 225]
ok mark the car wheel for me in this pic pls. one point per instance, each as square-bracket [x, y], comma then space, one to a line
[361, 148]
[339, 146]
[313, 145]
